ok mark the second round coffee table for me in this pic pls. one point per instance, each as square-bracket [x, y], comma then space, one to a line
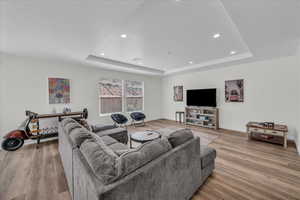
[144, 136]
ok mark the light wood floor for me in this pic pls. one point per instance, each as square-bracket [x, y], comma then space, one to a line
[244, 170]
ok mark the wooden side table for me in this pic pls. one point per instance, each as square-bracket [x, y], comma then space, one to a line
[266, 133]
[181, 116]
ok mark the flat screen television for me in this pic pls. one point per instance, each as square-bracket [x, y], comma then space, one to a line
[201, 97]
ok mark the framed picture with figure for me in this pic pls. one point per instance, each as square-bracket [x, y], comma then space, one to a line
[234, 90]
[178, 93]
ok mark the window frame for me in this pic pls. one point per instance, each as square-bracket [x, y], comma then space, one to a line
[143, 96]
[123, 97]
[99, 97]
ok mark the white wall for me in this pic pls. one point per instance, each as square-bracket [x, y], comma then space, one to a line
[271, 93]
[26, 87]
[297, 139]
[298, 125]
[1, 92]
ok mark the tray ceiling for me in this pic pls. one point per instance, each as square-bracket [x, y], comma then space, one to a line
[151, 37]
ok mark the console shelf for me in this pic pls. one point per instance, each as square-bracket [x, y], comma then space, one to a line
[202, 116]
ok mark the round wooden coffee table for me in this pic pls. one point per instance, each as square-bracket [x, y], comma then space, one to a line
[144, 136]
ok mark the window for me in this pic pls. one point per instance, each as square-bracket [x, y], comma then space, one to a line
[120, 96]
[111, 97]
[134, 91]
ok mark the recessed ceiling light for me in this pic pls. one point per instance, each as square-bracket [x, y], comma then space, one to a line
[232, 52]
[102, 54]
[137, 59]
[123, 36]
[191, 62]
[217, 35]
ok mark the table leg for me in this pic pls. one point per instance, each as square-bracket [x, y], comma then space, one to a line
[285, 140]
[130, 142]
[249, 133]
[38, 142]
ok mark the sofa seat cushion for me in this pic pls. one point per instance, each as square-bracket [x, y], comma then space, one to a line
[120, 134]
[119, 148]
[108, 140]
[79, 135]
[176, 136]
[111, 131]
[99, 127]
[207, 155]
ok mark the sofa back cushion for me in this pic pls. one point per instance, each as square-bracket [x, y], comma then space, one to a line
[109, 167]
[71, 126]
[135, 158]
[79, 135]
[176, 136]
[66, 121]
[180, 136]
[101, 159]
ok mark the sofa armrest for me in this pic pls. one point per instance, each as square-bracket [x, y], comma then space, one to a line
[66, 154]
[207, 156]
[100, 127]
[178, 173]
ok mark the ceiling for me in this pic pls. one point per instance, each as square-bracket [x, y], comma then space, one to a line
[152, 37]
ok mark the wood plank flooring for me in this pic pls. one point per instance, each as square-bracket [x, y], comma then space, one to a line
[244, 170]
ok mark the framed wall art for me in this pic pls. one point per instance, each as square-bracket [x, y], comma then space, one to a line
[234, 90]
[59, 90]
[178, 93]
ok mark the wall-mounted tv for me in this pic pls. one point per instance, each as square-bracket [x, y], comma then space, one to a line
[201, 97]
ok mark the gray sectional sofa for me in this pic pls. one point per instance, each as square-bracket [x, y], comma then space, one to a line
[100, 166]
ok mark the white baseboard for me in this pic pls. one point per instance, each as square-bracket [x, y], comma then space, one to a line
[27, 142]
[298, 147]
